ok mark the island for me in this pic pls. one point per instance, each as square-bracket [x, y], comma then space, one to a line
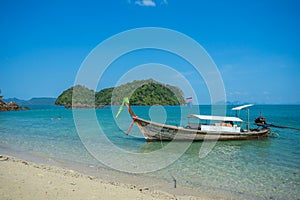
[141, 92]
[35, 101]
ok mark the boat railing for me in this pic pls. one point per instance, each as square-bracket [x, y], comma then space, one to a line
[192, 125]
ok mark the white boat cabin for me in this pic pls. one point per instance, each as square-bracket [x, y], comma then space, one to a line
[215, 123]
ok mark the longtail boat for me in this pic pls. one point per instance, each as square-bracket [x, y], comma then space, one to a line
[208, 128]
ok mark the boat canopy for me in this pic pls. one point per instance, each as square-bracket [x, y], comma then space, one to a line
[242, 107]
[216, 118]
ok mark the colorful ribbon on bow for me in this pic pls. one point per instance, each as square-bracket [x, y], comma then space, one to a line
[131, 125]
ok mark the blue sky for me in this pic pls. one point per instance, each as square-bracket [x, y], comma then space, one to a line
[255, 44]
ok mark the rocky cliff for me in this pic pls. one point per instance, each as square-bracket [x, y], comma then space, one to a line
[11, 106]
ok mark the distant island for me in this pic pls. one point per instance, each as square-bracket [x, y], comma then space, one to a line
[147, 92]
[37, 101]
[14, 104]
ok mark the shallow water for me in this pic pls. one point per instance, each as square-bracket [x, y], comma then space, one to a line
[263, 169]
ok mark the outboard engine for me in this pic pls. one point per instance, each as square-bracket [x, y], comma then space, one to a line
[260, 121]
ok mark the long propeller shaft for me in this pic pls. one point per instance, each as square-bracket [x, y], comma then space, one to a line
[277, 126]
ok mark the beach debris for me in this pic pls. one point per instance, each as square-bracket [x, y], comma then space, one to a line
[24, 162]
[90, 177]
[72, 183]
[113, 183]
[132, 187]
[3, 158]
[174, 180]
[143, 189]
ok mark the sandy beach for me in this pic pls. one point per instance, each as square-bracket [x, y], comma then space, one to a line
[21, 179]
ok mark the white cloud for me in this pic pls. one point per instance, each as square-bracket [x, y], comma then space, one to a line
[148, 3]
[165, 2]
[145, 3]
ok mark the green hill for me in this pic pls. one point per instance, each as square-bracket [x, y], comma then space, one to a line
[154, 93]
[83, 96]
[141, 92]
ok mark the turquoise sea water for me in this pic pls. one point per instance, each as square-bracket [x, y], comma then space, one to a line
[253, 169]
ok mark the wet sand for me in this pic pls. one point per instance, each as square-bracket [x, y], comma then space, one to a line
[21, 179]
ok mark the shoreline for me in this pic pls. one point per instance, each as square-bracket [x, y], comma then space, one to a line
[20, 178]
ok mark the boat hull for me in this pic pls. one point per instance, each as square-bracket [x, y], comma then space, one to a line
[154, 131]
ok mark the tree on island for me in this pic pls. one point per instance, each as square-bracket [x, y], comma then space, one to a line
[140, 92]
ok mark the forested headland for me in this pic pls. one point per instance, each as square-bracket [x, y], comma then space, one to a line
[140, 92]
